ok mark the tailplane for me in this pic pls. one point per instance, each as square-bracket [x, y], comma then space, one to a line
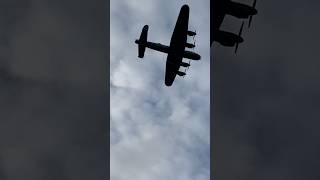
[142, 41]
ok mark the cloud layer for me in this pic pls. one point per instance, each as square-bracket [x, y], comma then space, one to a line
[157, 132]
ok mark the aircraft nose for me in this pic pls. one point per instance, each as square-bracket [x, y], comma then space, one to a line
[185, 7]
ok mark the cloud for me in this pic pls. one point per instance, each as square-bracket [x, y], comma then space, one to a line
[157, 132]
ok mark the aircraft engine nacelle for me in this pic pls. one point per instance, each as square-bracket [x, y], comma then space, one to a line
[191, 33]
[240, 10]
[184, 64]
[181, 73]
[227, 38]
[142, 41]
[188, 45]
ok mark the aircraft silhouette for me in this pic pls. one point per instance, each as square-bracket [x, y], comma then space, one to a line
[219, 8]
[176, 51]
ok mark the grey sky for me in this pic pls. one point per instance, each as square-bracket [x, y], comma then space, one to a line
[266, 113]
[157, 132]
[52, 89]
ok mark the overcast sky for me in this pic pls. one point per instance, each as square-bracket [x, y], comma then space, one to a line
[266, 113]
[158, 132]
[52, 90]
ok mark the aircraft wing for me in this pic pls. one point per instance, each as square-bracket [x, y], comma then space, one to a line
[171, 70]
[177, 46]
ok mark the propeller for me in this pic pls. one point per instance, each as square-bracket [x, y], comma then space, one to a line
[189, 63]
[253, 6]
[239, 35]
[194, 44]
[185, 70]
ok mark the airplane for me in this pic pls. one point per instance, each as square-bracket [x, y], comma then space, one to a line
[176, 51]
[219, 8]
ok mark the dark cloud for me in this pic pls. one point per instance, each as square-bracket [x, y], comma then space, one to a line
[266, 98]
[53, 89]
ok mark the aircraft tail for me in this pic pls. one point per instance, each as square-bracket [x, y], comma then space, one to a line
[142, 41]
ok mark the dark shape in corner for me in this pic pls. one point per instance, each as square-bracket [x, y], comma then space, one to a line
[176, 51]
[218, 10]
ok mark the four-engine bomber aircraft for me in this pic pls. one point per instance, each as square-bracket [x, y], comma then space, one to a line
[219, 8]
[176, 51]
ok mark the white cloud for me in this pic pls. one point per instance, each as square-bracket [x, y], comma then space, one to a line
[158, 132]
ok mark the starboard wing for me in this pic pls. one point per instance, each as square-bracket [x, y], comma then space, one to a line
[171, 71]
[177, 46]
